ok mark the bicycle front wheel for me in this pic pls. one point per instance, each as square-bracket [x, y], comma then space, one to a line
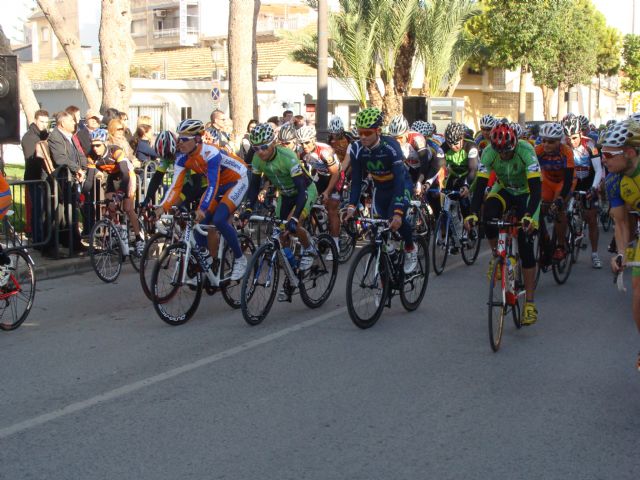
[316, 283]
[414, 285]
[347, 244]
[232, 289]
[497, 303]
[18, 290]
[150, 255]
[259, 285]
[175, 302]
[440, 245]
[471, 248]
[105, 250]
[562, 268]
[368, 286]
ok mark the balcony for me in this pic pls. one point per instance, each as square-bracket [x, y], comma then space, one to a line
[175, 32]
[270, 24]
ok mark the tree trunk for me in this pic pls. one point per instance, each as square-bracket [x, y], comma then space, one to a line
[240, 70]
[375, 97]
[598, 99]
[522, 97]
[404, 64]
[547, 95]
[72, 48]
[254, 59]
[453, 84]
[27, 98]
[560, 102]
[425, 91]
[116, 53]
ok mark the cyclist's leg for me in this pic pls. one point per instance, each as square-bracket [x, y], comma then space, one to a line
[301, 232]
[228, 204]
[526, 250]
[494, 207]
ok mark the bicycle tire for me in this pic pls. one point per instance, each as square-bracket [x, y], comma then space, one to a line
[472, 247]
[150, 255]
[319, 269]
[20, 289]
[605, 220]
[347, 244]
[422, 271]
[577, 244]
[105, 249]
[562, 269]
[263, 261]
[232, 289]
[438, 248]
[161, 299]
[497, 307]
[381, 283]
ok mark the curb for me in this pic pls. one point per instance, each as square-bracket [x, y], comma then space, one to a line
[47, 269]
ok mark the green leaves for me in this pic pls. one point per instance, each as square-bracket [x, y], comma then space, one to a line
[631, 58]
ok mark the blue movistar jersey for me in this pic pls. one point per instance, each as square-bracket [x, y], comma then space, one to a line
[385, 163]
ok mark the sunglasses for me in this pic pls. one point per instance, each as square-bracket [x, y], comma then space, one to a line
[367, 132]
[308, 142]
[121, 129]
[97, 144]
[549, 140]
[263, 147]
[286, 144]
[609, 155]
[185, 139]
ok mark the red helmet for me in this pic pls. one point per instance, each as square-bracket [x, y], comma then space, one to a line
[503, 138]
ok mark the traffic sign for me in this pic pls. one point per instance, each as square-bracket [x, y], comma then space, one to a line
[215, 94]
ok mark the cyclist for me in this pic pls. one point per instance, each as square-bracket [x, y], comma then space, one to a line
[557, 165]
[586, 130]
[382, 157]
[111, 159]
[226, 186]
[483, 139]
[323, 163]
[339, 140]
[588, 172]
[620, 147]
[285, 171]
[517, 185]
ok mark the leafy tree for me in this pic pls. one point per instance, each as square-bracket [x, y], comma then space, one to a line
[631, 67]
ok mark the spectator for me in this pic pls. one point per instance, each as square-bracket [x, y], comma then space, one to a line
[287, 116]
[110, 114]
[124, 118]
[81, 136]
[219, 123]
[142, 143]
[144, 120]
[274, 121]
[91, 124]
[65, 153]
[299, 121]
[36, 192]
[117, 137]
[245, 145]
[92, 120]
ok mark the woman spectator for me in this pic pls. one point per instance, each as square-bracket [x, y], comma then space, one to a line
[142, 144]
[245, 145]
[117, 137]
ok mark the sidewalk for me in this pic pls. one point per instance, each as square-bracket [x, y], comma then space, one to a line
[49, 268]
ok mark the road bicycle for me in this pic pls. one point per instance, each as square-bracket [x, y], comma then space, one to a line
[548, 243]
[575, 214]
[449, 235]
[17, 282]
[112, 240]
[506, 284]
[263, 272]
[318, 223]
[420, 217]
[183, 271]
[377, 274]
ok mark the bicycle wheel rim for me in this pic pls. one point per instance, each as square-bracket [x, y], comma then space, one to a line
[18, 293]
[562, 269]
[367, 290]
[496, 305]
[316, 283]
[415, 284]
[440, 245]
[232, 289]
[105, 251]
[471, 249]
[152, 252]
[259, 285]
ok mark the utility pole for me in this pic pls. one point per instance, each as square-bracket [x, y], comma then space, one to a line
[322, 106]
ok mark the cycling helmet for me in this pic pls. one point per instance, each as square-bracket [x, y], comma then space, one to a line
[626, 133]
[571, 125]
[398, 126]
[190, 127]
[469, 133]
[100, 135]
[584, 122]
[634, 116]
[306, 133]
[421, 127]
[336, 126]
[503, 138]
[369, 118]
[214, 133]
[552, 130]
[261, 134]
[517, 129]
[287, 134]
[165, 144]
[354, 132]
[610, 123]
[454, 133]
[487, 121]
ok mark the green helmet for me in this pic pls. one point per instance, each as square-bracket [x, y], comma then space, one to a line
[369, 118]
[262, 133]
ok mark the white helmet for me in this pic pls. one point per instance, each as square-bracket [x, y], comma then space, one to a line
[552, 130]
[487, 121]
[306, 133]
[517, 129]
[398, 126]
[336, 126]
[622, 133]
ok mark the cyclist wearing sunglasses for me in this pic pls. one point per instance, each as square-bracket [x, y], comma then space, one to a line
[517, 185]
[588, 172]
[227, 185]
[339, 140]
[557, 165]
[287, 174]
[620, 146]
[382, 157]
[483, 138]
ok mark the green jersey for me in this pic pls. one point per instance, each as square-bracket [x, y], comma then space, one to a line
[458, 162]
[512, 175]
[281, 170]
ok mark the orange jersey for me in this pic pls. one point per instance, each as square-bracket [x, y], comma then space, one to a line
[553, 166]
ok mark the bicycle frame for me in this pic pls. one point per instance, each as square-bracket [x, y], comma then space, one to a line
[380, 238]
[507, 231]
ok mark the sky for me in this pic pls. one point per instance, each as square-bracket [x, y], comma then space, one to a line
[619, 14]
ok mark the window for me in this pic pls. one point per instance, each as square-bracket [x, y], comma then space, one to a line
[138, 27]
[44, 34]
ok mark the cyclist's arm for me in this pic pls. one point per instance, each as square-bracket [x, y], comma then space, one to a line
[214, 164]
[154, 184]
[172, 196]
[535, 194]
[472, 165]
[568, 181]
[399, 172]
[254, 188]
[478, 193]
[356, 182]
[426, 158]
[597, 168]
[621, 232]
[301, 198]
[334, 169]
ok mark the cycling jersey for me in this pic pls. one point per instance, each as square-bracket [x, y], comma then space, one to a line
[554, 165]
[588, 168]
[481, 142]
[118, 167]
[412, 149]
[461, 165]
[320, 160]
[512, 175]
[281, 170]
[5, 197]
[612, 187]
[340, 144]
[222, 172]
[630, 189]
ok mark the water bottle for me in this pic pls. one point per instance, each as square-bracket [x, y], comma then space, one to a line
[511, 274]
[290, 257]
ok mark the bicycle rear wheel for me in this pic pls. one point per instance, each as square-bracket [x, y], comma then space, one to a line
[175, 302]
[232, 289]
[347, 244]
[497, 305]
[150, 255]
[105, 250]
[471, 248]
[259, 285]
[441, 244]
[368, 286]
[414, 285]
[562, 269]
[316, 283]
[19, 290]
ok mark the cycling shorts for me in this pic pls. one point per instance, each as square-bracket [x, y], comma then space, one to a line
[286, 205]
[230, 194]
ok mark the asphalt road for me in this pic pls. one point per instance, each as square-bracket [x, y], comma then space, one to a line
[95, 386]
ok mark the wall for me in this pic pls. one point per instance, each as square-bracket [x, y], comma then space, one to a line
[89, 24]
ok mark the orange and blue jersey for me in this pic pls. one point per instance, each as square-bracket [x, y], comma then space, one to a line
[221, 169]
[554, 165]
[5, 196]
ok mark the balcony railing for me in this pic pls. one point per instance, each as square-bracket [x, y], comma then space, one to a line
[270, 24]
[174, 32]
